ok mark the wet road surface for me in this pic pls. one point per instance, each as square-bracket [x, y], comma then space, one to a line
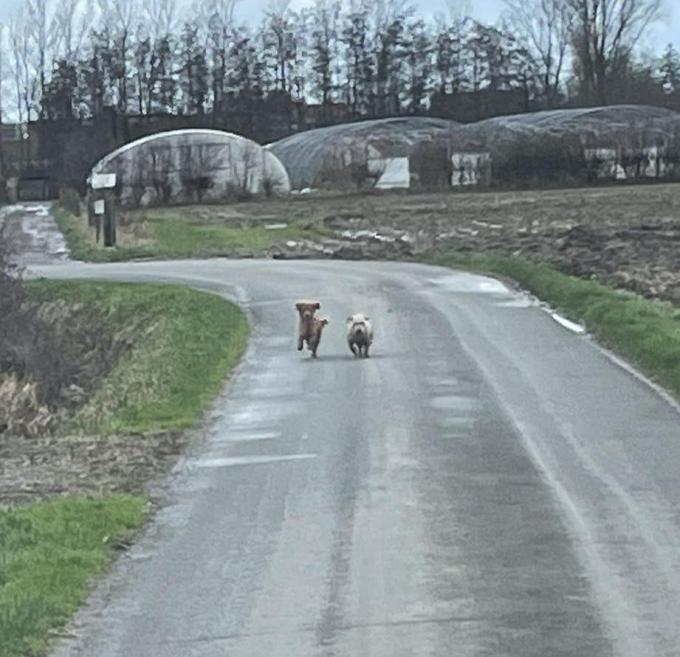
[32, 229]
[488, 483]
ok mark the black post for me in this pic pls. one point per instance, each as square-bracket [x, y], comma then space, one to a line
[109, 222]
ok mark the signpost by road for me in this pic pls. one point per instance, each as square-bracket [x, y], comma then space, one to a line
[102, 206]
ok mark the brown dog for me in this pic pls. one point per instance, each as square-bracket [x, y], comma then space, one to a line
[306, 310]
[318, 325]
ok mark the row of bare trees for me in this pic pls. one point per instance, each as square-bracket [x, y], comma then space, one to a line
[74, 58]
[598, 37]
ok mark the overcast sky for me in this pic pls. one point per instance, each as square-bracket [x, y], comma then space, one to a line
[667, 31]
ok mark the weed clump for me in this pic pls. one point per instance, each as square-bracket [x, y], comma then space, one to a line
[52, 353]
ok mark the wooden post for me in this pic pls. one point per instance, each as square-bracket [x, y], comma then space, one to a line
[109, 220]
[103, 213]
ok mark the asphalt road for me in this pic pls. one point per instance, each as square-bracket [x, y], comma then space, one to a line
[488, 483]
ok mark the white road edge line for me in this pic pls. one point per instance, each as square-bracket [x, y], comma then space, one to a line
[567, 323]
[642, 378]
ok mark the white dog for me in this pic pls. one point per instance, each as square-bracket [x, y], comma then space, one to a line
[359, 334]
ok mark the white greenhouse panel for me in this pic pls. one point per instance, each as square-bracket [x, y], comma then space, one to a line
[393, 172]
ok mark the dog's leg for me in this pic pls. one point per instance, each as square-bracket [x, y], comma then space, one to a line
[301, 343]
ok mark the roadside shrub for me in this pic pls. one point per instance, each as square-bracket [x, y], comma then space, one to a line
[27, 348]
[69, 199]
[60, 348]
[12, 298]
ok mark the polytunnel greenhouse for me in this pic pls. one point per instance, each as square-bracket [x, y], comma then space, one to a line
[552, 147]
[192, 166]
[576, 146]
[374, 153]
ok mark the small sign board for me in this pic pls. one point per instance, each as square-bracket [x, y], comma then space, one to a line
[103, 180]
[100, 207]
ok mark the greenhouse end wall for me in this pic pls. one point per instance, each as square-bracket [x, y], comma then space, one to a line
[193, 166]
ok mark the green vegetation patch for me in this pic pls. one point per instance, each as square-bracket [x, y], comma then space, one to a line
[178, 237]
[81, 243]
[644, 331]
[48, 554]
[171, 234]
[184, 347]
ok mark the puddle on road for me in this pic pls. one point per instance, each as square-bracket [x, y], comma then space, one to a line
[247, 436]
[471, 283]
[37, 235]
[230, 462]
[277, 341]
[454, 403]
[521, 301]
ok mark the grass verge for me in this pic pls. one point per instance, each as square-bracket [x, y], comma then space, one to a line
[189, 343]
[48, 553]
[81, 242]
[176, 366]
[175, 236]
[645, 332]
[171, 234]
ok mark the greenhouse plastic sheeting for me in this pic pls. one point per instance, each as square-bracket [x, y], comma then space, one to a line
[186, 166]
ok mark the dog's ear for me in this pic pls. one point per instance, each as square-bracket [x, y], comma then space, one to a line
[317, 305]
[298, 306]
[368, 319]
[350, 319]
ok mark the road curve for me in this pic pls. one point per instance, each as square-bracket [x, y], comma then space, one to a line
[489, 483]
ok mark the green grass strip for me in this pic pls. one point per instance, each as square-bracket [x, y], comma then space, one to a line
[644, 331]
[48, 554]
[172, 235]
[179, 237]
[186, 345]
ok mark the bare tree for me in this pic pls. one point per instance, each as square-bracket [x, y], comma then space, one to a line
[119, 18]
[544, 28]
[41, 22]
[72, 22]
[280, 40]
[604, 34]
[2, 104]
[160, 165]
[217, 20]
[161, 17]
[20, 43]
[324, 21]
[455, 11]
[388, 11]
